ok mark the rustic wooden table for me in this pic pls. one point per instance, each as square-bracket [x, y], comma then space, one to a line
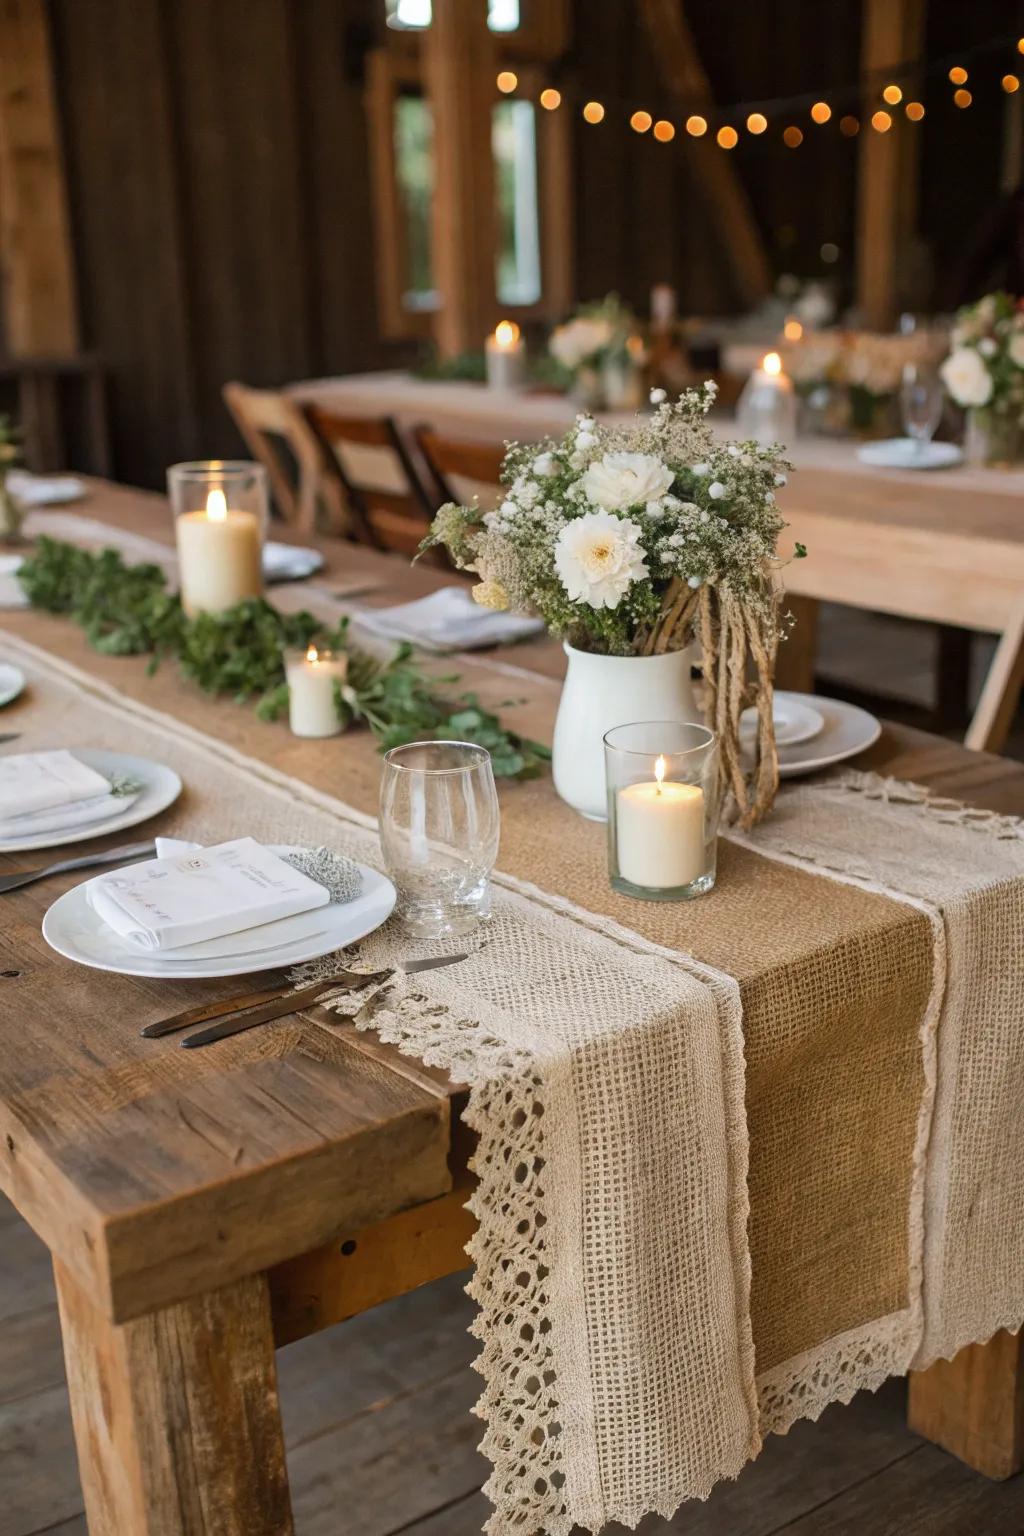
[204, 1209]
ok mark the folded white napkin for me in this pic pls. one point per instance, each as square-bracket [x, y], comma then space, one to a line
[42, 781]
[449, 620]
[201, 894]
[12, 593]
[44, 490]
[289, 562]
[63, 819]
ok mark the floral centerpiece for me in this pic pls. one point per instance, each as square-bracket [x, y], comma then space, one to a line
[984, 373]
[850, 378]
[600, 351]
[631, 543]
[12, 514]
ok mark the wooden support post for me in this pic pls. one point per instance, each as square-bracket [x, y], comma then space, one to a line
[176, 1415]
[36, 268]
[886, 193]
[973, 1405]
[729, 211]
[459, 66]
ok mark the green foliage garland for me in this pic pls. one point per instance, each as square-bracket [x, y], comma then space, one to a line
[126, 610]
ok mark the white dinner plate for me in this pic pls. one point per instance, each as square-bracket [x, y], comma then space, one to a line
[12, 681]
[45, 490]
[160, 788]
[72, 928]
[845, 731]
[796, 720]
[290, 562]
[906, 453]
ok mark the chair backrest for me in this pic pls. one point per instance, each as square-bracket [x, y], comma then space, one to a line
[463, 471]
[270, 423]
[380, 482]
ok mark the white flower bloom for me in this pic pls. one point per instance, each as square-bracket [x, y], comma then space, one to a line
[769, 498]
[579, 339]
[586, 440]
[716, 490]
[966, 377]
[508, 508]
[598, 557]
[585, 423]
[528, 493]
[987, 346]
[693, 581]
[658, 396]
[733, 451]
[621, 480]
[545, 466]
[656, 509]
[1016, 348]
[702, 469]
[780, 480]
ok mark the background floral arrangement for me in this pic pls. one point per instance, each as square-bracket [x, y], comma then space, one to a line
[634, 541]
[866, 365]
[985, 369]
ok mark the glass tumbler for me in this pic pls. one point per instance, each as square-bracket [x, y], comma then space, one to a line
[921, 401]
[439, 827]
[663, 804]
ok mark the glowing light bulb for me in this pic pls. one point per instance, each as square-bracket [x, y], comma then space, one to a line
[849, 127]
[881, 122]
[962, 98]
[1010, 83]
[792, 137]
[893, 95]
[216, 506]
[640, 122]
[550, 99]
[727, 137]
[958, 75]
[507, 81]
[821, 112]
[757, 122]
[664, 131]
[593, 112]
[696, 126]
[772, 364]
[915, 111]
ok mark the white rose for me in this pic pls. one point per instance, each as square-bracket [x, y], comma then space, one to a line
[1016, 348]
[579, 339]
[621, 480]
[966, 377]
[598, 557]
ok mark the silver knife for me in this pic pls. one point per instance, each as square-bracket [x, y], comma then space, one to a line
[86, 861]
[305, 997]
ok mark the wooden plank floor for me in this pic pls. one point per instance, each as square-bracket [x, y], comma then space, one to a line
[381, 1439]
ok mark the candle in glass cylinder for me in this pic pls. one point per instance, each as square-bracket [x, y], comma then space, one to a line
[506, 357]
[766, 410]
[311, 676]
[219, 556]
[660, 833]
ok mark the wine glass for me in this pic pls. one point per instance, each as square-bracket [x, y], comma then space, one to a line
[921, 400]
[439, 827]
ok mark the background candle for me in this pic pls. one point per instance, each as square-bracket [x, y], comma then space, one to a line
[219, 556]
[506, 357]
[660, 833]
[311, 678]
[766, 410]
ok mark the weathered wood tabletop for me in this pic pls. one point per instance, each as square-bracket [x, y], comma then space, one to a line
[202, 1207]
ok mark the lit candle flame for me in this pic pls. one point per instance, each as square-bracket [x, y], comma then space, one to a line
[772, 363]
[216, 506]
[313, 654]
[792, 330]
[659, 772]
[506, 334]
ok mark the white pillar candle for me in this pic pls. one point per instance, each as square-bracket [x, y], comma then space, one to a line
[766, 410]
[660, 833]
[219, 556]
[311, 679]
[506, 357]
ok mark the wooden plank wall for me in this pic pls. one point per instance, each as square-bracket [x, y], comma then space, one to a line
[220, 202]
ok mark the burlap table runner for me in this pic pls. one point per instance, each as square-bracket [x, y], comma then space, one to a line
[840, 985]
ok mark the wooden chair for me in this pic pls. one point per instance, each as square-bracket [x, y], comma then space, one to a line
[380, 483]
[304, 491]
[462, 471]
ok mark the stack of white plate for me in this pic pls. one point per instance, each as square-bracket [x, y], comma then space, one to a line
[813, 732]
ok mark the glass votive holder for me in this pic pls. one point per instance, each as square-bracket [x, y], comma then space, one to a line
[220, 511]
[439, 827]
[313, 675]
[663, 805]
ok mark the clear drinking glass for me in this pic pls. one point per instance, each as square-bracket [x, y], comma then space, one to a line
[439, 826]
[921, 399]
[663, 804]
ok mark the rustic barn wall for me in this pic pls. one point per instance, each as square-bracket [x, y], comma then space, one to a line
[220, 204]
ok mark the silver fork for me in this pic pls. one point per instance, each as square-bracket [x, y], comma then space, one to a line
[87, 861]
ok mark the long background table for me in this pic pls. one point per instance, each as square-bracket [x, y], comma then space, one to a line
[200, 1214]
[946, 547]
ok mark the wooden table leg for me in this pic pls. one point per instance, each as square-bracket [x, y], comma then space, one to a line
[176, 1415]
[973, 1405]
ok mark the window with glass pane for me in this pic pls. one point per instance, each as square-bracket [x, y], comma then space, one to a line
[502, 15]
[514, 141]
[414, 171]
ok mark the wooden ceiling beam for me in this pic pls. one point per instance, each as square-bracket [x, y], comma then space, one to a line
[730, 215]
[36, 264]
